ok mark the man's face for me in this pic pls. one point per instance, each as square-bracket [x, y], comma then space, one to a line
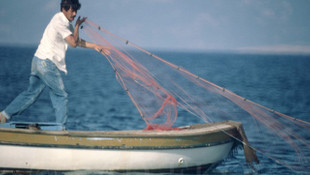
[70, 14]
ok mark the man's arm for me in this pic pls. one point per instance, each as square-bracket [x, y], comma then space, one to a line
[97, 47]
[75, 41]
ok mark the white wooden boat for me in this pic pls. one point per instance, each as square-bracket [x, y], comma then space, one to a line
[196, 148]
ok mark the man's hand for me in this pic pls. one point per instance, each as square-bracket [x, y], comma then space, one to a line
[102, 49]
[79, 21]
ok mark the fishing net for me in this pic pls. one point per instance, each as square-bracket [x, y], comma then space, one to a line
[160, 90]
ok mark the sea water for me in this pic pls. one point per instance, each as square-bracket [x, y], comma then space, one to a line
[97, 101]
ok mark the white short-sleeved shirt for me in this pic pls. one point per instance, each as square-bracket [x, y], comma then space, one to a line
[53, 45]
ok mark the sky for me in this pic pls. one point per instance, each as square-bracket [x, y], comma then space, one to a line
[276, 26]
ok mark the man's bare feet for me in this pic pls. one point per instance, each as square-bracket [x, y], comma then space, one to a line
[2, 118]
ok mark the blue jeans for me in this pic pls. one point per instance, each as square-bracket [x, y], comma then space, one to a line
[44, 73]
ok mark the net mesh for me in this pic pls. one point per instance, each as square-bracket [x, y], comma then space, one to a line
[159, 89]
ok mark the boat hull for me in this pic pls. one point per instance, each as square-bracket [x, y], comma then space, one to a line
[64, 159]
[196, 149]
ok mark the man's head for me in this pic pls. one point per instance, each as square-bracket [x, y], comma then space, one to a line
[70, 8]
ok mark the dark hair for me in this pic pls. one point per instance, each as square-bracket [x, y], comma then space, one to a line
[66, 4]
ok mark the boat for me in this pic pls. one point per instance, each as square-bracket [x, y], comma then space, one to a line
[191, 149]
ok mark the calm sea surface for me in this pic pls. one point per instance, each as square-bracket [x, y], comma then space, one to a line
[97, 101]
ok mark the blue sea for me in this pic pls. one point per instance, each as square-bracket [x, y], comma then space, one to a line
[97, 101]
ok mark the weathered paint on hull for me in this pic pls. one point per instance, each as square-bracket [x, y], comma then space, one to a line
[23, 157]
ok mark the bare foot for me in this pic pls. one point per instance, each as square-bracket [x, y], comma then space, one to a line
[2, 118]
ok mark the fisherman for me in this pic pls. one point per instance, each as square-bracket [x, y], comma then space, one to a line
[49, 60]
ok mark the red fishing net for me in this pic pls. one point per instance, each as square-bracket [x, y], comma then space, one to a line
[160, 89]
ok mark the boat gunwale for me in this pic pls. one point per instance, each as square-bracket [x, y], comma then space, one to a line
[130, 148]
[192, 130]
